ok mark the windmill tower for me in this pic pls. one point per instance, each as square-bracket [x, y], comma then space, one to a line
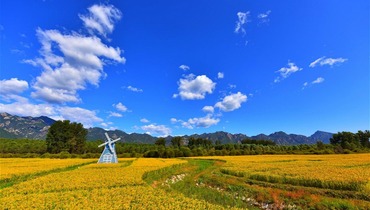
[109, 153]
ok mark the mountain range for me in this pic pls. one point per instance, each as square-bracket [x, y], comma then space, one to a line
[16, 127]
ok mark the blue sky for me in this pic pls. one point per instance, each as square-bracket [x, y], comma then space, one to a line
[182, 67]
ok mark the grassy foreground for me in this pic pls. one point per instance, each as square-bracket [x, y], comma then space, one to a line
[246, 182]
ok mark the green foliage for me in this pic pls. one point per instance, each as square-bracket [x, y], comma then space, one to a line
[347, 142]
[344, 143]
[22, 146]
[66, 136]
[260, 142]
[160, 141]
[177, 141]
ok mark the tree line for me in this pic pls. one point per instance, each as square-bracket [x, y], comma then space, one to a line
[66, 140]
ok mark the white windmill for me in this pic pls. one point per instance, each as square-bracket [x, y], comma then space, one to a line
[109, 153]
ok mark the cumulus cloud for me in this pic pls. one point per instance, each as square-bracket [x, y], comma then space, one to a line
[120, 107]
[115, 114]
[144, 120]
[242, 20]
[192, 88]
[220, 75]
[318, 80]
[209, 109]
[10, 89]
[28, 109]
[134, 89]
[70, 62]
[203, 122]
[287, 71]
[101, 19]
[231, 102]
[75, 114]
[174, 120]
[184, 67]
[158, 130]
[327, 61]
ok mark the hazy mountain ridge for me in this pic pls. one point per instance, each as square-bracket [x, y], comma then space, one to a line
[12, 126]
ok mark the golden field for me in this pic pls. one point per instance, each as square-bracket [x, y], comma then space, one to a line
[341, 168]
[121, 186]
[22, 166]
[98, 186]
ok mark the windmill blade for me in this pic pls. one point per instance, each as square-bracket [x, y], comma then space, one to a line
[103, 144]
[115, 140]
[106, 135]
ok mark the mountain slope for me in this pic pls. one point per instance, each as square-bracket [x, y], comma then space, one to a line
[98, 134]
[24, 127]
[16, 127]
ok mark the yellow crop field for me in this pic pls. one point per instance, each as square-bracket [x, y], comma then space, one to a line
[323, 167]
[350, 172]
[18, 166]
[236, 181]
[99, 186]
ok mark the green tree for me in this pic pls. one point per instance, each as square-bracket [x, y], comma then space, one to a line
[176, 141]
[364, 138]
[66, 136]
[161, 141]
[346, 140]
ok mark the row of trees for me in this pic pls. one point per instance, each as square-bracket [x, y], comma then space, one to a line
[90, 149]
[70, 138]
[351, 141]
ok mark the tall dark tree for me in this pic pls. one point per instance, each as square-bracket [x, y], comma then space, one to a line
[66, 136]
[346, 140]
[364, 138]
[161, 141]
[176, 141]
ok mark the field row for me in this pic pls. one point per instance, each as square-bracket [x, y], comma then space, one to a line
[99, 186]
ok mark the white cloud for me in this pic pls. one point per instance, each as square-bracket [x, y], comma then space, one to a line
[72, 61]
[220, 75]
[159, 130]
[327, 61]
[9, 89]
[80, 115]
[144, 120]
[101, 18]
[209, 109]
[191, 88]
[287, 71]
[134, 89]
[80, 66]
[231, 102]
[242, 20]
[318, 80]
[174, 120]
[184, 67]
[74, 114]
[115, 114]
[264, 17]
[203, 122]
[120, 107]
[28, 109]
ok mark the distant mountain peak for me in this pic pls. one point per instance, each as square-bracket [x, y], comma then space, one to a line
[12, 126]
